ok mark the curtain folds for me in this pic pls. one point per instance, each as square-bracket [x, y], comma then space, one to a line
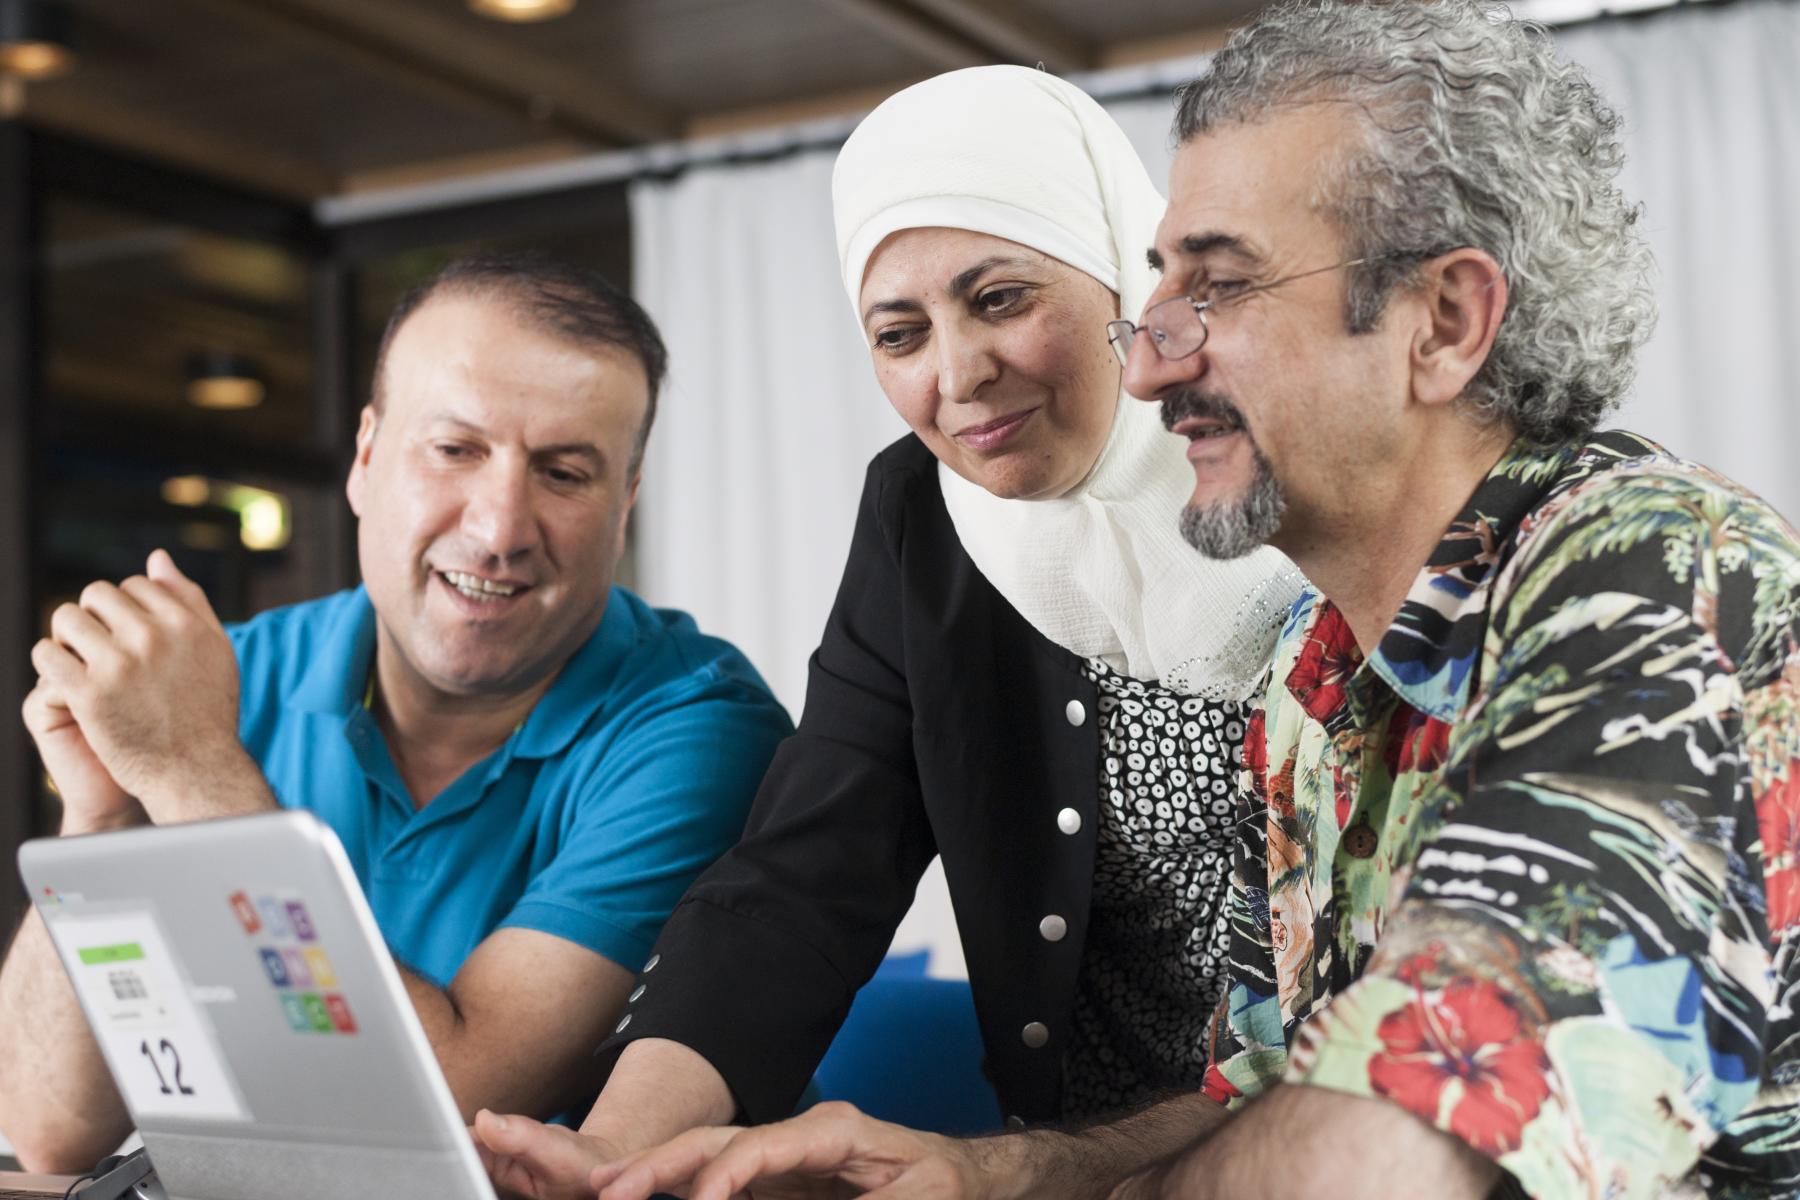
[770, 414]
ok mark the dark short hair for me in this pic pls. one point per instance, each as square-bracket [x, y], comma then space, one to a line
[564, 299]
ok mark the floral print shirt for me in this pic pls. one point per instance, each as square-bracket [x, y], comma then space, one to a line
[1541, 850]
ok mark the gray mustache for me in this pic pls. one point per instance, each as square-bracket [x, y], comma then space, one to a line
[1178, 406]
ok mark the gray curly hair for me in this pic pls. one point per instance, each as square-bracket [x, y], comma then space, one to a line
[1474, 134]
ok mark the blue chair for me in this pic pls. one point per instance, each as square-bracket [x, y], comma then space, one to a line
[910, 1052]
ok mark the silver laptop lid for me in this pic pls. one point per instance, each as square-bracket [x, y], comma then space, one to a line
[250, 1012]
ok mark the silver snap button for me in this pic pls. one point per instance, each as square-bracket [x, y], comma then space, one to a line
[620, 1027]
[1015, 1122]
[1075, 711]
[1069, 821]
[636, 995]
[651, 965]
[1035, 1034]
[1054, 928]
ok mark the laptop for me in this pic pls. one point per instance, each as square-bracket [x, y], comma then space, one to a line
[250, 1012]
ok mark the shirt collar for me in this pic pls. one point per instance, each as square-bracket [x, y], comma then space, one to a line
[339, 671]
[1430, 652]
[1428, 655]
[335, 681]
[583, 686]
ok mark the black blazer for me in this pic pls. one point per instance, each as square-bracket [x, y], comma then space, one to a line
[937, 722]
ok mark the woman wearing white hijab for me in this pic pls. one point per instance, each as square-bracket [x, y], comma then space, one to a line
[1027, 671]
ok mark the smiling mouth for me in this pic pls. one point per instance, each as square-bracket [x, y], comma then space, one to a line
[996, 423]
[1200, 416]
[480, 590]
[993, 433]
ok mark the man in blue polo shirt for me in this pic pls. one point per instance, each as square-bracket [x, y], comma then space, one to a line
[526, 764]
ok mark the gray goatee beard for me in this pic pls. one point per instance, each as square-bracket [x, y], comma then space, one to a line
[1227, 528]
[1233, 528]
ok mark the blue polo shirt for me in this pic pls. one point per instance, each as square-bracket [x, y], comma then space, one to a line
[631, 775]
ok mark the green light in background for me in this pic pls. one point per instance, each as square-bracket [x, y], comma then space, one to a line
[264, 520]
[262, 516]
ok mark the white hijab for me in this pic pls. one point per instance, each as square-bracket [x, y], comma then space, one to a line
[1103, 570]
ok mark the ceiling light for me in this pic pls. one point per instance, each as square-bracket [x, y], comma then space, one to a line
[34, 39]
[225, 393]
[189, 491]
[218, 379]
[521, 10]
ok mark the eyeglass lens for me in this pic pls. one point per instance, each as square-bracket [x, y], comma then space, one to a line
[1175, 326]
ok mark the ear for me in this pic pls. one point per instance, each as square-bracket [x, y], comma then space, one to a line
[631, 495]
[1464, 294]
[359, 466]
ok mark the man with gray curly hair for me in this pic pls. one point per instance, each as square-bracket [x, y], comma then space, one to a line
[1517, 904]
[1517, 901]
[1432, 128]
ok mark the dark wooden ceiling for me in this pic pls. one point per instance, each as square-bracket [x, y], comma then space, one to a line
[314, 98]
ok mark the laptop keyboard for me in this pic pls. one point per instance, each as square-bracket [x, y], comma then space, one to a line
[236, 1168]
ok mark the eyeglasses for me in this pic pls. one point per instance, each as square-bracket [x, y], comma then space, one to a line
[1177, 326]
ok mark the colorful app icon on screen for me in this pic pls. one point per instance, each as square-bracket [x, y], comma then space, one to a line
[272, 916]
[303, 927]
[295, 1012]
[245, 912]
[296, 967]
[339, 1009]
[316, 1012]
[322, 974]
[272, 964]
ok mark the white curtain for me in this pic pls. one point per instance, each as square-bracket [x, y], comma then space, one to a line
[772, 412]
[1711, 102]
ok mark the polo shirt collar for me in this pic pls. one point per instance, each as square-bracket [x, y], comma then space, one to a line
[337, 677]
[582, 687]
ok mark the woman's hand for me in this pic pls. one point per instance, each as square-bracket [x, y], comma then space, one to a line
[539, 1162]
[827, 1153]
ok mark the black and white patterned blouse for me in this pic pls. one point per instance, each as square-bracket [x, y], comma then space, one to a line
[1153, 967]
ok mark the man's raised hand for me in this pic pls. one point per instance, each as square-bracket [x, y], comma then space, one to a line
[147, 672]
[92, 800]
